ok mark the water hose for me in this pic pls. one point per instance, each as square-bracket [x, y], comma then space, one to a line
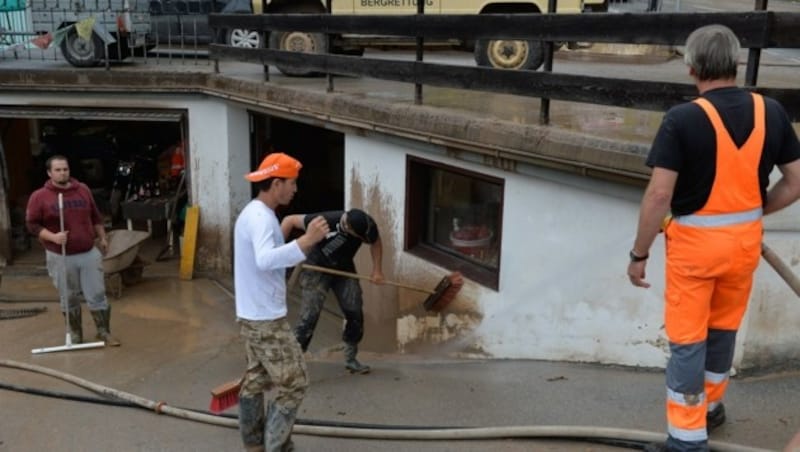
[455, 433]
[158, 407]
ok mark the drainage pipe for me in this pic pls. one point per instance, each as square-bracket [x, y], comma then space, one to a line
[483, 433]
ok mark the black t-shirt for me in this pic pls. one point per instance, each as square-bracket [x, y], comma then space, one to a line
[686, 143]
[338, 248]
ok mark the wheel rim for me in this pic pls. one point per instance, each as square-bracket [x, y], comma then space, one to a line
[241, 37]
[81, 48]
[296, 41]
[508, 54]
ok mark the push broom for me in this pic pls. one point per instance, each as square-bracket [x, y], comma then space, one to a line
[437, 300]
[62, 290]
[226, 395]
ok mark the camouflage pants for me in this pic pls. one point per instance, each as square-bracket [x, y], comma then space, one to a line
[315, 286]
[274, 359]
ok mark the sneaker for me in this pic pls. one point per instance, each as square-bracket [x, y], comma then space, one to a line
[715, 418]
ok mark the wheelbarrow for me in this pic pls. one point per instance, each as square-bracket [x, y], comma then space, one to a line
[121, 263]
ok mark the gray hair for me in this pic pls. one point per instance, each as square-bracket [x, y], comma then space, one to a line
[712, 51]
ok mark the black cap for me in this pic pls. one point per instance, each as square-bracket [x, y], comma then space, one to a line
[362, 225]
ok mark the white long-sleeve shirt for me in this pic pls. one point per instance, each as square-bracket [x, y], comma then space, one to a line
[260, 258]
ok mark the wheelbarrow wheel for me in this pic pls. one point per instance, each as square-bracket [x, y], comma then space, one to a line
[133, 274]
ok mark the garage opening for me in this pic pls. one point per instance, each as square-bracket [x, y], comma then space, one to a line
[126, 157]
[321, 151]
[321, 182]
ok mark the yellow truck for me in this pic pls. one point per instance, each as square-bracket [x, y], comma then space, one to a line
[505, 54]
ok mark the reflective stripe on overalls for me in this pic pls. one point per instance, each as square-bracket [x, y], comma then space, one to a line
[711, 257]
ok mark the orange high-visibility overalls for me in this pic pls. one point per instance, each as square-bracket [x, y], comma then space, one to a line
[711, 257]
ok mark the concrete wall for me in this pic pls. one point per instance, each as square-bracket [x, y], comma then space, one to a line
[563, 291]
[219, 136]
[769, 337]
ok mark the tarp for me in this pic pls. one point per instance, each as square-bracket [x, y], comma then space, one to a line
[12, 5]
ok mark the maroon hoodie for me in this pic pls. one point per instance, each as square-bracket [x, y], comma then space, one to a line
[80, 215]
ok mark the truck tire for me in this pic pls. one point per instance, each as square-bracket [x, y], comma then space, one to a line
[81, 52]
[297, 41]
[244, 38]
[509, 54]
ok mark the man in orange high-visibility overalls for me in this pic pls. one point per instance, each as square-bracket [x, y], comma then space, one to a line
[711, 161]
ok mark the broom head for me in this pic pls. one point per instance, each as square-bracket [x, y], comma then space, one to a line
[444, 293]
[224, 396]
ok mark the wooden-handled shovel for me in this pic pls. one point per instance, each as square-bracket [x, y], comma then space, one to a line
[781, 268]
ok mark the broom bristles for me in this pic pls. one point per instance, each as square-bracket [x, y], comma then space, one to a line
[445, 292]
[224, 396]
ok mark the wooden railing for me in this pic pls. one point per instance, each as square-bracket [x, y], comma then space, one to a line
[756, 30]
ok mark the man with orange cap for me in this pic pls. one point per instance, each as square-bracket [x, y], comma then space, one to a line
[711, 162]
[261, 256]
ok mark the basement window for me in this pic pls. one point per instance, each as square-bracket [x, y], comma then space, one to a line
[454, 219]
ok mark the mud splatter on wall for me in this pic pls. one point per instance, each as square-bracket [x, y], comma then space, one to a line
[395, 317]
[380, 302]
[416, 331]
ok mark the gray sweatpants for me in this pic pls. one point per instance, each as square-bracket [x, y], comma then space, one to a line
[83, 274]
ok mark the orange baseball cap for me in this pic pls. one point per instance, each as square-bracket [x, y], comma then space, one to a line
[277, 164]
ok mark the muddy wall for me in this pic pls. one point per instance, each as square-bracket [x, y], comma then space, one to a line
[563, 292]
[220, 156]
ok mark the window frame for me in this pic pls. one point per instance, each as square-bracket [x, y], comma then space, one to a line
[417, 188]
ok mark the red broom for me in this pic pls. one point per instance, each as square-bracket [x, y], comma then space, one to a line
[444, 292]
[225, 396]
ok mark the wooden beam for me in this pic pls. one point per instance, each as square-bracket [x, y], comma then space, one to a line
[755, 29]
[637, 94]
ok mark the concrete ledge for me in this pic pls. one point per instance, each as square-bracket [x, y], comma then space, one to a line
[502, 143]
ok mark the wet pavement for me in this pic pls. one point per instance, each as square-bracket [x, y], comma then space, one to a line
[180, 340]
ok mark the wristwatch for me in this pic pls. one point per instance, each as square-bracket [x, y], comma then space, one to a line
[635, 258]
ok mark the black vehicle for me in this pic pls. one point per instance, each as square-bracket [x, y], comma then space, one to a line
[184, 23]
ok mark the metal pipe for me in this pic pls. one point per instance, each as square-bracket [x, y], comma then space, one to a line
[420, 55]
[544, 103]
[754, 55]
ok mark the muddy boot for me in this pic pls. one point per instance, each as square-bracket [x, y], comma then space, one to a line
[350, 361]
[280, 421]
[251, 423]
[102, 319]
[75, 325]
[715, 418]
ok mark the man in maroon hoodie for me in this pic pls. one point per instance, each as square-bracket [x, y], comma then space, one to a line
[80, 266]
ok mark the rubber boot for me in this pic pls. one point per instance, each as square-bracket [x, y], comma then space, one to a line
[75, 325]
[350, 361]
[280, 421]
[251, 423]
[102, 320]
[715, 418]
